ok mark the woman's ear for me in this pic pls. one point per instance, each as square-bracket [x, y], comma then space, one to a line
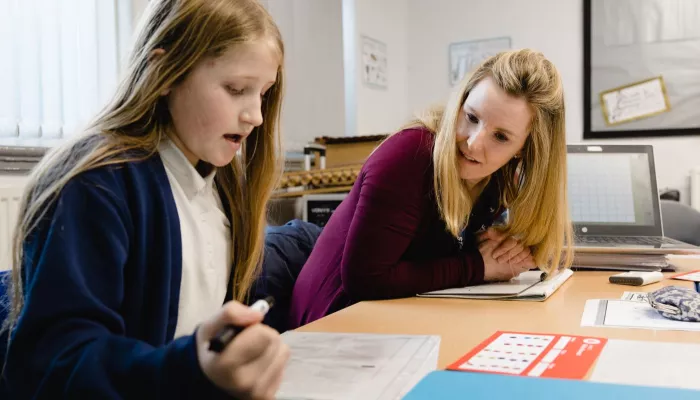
[154, 55]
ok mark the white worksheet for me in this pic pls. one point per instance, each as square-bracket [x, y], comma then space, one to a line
[630, 314]
[356, 366]
[630, 362]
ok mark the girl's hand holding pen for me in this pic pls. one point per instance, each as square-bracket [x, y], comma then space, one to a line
[251, 366]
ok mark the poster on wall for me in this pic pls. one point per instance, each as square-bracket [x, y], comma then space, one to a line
[374, 63]
[466, 56]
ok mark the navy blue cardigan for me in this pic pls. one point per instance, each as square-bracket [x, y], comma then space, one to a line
[102, 283]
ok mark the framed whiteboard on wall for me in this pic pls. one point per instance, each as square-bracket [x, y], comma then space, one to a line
[641, 68]
[466, 56]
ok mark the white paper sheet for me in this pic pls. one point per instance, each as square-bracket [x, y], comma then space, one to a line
[649, 363]
[356, 366]
[630, 314]
[684, 262]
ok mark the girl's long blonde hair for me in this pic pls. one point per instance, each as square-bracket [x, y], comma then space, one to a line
[130, 128]
[533, 187]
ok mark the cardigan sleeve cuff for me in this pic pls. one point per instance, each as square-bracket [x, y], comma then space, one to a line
[474, 269]
[202, 387]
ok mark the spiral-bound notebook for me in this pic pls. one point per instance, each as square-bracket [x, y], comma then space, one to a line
[531, 285]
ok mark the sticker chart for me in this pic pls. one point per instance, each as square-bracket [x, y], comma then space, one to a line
[693, 276]
[538, 355]
[598, 195]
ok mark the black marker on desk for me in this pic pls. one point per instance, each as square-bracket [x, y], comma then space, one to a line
[219, 342]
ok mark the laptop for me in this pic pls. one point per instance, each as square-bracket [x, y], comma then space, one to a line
[614, 201]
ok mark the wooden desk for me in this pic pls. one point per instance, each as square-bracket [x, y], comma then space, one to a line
[463, 324]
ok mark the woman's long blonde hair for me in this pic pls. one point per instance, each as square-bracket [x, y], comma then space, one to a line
[533, 187]
[130, 128]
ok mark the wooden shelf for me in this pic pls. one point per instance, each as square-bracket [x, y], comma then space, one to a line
[334, 189]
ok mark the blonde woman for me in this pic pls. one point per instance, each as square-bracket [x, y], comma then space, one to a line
[419, 216]
[139, 240]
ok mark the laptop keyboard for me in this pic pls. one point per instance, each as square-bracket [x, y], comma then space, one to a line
[638, 240]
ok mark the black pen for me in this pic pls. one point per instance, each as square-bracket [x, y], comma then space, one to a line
[219, 342]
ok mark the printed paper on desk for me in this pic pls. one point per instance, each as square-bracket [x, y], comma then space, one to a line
[533, 354]
[630, 314]
[632, 362]
[523, 287]
[355, 366]
[693, 276]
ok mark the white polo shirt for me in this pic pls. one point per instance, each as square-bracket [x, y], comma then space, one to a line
[206, 240]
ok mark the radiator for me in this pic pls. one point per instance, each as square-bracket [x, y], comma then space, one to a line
[9, 208]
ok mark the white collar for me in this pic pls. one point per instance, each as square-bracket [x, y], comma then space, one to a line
[186, 175]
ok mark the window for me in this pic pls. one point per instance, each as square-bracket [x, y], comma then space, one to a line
[60, 63]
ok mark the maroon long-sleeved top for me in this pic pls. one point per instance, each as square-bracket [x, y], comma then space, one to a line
[386, 239]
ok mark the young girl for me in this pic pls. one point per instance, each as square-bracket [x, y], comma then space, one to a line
[418, 217]
[133, 235]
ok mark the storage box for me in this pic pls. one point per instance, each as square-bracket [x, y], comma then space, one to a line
[341, 151]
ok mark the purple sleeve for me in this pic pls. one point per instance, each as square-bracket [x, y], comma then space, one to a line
[392, 202]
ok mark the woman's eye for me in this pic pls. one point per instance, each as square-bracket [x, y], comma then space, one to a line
[472, 118]
[501, 137]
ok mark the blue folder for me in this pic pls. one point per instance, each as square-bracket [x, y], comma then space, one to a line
[475, 386]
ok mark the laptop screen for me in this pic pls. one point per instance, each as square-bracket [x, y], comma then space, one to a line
[611, 189]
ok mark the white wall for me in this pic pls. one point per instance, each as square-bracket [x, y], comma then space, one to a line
[433, 24]
[314, 103]
[12, 180]
[137, 7]
[382, 110]
[437, 23]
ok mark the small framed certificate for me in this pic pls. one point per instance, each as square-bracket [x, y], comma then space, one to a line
[634, 101]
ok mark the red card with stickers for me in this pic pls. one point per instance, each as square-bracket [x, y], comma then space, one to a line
[533, 354]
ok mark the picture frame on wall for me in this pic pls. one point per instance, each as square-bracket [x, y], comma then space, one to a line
[465, 56]
[374, 63]
[640, 69]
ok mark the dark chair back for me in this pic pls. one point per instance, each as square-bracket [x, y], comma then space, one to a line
[680, 222]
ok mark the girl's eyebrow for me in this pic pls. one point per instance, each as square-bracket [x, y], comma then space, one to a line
[250, 78]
